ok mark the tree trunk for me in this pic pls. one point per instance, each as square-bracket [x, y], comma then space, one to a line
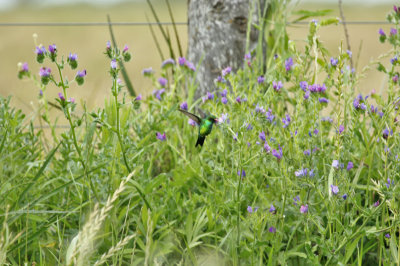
[217, 37]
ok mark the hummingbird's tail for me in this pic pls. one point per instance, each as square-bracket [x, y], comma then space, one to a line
[200, 141]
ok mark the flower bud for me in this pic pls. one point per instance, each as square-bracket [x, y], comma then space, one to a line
[45, 74]
[53, 52]
[72, 60]
[23, 70]
[40, 53]
[80, 77]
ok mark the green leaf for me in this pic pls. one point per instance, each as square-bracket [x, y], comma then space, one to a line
[307, 14]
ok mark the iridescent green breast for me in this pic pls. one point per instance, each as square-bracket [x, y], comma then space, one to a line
[205, 127]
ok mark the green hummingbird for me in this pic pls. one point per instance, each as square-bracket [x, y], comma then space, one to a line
[205, 125]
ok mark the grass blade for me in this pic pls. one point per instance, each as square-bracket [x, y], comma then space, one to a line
[174, 27]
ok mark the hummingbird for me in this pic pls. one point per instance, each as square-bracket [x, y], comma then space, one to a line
[205, 125]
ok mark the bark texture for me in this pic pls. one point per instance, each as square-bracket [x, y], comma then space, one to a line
[217, 36]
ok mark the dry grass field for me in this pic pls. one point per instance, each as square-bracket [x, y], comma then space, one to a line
[89, 43]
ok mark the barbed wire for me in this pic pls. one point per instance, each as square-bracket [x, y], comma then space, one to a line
[93, 24]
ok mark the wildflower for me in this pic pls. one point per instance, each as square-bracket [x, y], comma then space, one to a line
[388, 182]
[316, 131]
[224, 93]
[301, 172]
[296, 199]
[386, 133]
[248, 144]
[71, 100]
[394, 60]
[260, 109]
[286, 121]
[311, 173]
[358, 103]
[304, 208]
[334, 189]
[277, 85]
[260, 79]
[242, 174]
[226, 71]
[277, 154]
[147, 71]
[303, 85]
[249, 126]
[267, 148]
[192, 122]
[210, 96]
[72, 60]
[350, 166]
[139, 97]
[334, 61]
[387, 236]
[40, 53]
[344, 196]
[269, 115]
[61, 96]
[159, 93]
[307, 152]
[220, 79]
[23, 69]
[160, 136]
[376, 204]
[238, 100]
[395, 78]
[80, 76]
[323, 100]
[307, 95]
[224, 100]
[335, 164]
[381, 32]
[44, 74]
[272, 209]
[162, 81]
[235, 137]
[393, 31]
[126, 55]
[262, 135]
[184, 106]
[288, 64]
[249, 209]
[113, 64]
[382, 35]
[349, 53]
[181, 61]
[272, 230]
[190, 66]
[167, 63]
[341, 129]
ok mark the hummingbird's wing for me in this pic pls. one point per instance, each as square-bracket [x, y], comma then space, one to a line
[195, 118]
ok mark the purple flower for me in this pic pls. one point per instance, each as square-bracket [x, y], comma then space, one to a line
[288, 64]
[226, 71]
[126, 48]
[114, 64]
[72, 57]
[278, 154]
[224, 100]
[381, 32]
[306, 95]
[272, 230]
[190, 66]
[349, 53]
[40, 50]
[344, 196]
[108, 45]
[247, 56]
[260, 79]
[272, 209]
[301, 172]
[395, 78]
[71, 100]
[323, 100]
[335, 164]
[269, 115]
[387, 235]
[303, 85]
[304, 208]
[139, 97]
[44, 72]
[341, 129]
[235, 137]
[286, 121]
[296, 199]
[238, 100]
[385, 133]
[249, 209]
[394, 60]
[334, 61]
[242, 174]
[52, 48]
[307, 152]
[393, 31]
[224, 93]
[162, 81]
[210, 96]
[159, 93]
[184, 106]
[334, 189]
[249, 126]
[316, 131]
[192, 122]
[376, 204]
[147, 71]
[277, 85]
[388, 182]
[160, 136]
[181, 61]
[350, 166]
[168, 62]
[262, 135]
[61, 96]
[81, 73]
[267, 148]
[259, 109]
[311, 173]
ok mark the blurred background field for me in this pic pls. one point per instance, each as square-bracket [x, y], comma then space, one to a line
[89, 43]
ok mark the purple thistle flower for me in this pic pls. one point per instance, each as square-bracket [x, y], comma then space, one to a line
[168, 62]
[139, 97]
[44, 72]
[192, 122]
[393, 31]
[260, 79]
[262, 135]
[267, 148]
[272, 230]
[381, 32]
[161, 137]
[114, 64]
[277, 85]
[147, 71]
[72, 57]
[242, 174]
[323, 100]
[350, 166]
[387, 236]
[334, 61]
[304, 208]
[226, 71]
[278, 154]
[81, 74]
[61, 96]
[162, 81]
[40, 50]
[181, 61]
[272, 209]
[52, 48]
[376, 204]
[341, 129]
[303, 85]
[224, 100]
[288, 64]
[184, 106]
[394, 60]
[334, 189]
[335, 164]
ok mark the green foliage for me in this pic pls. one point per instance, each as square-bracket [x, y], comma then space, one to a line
[273, 183]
